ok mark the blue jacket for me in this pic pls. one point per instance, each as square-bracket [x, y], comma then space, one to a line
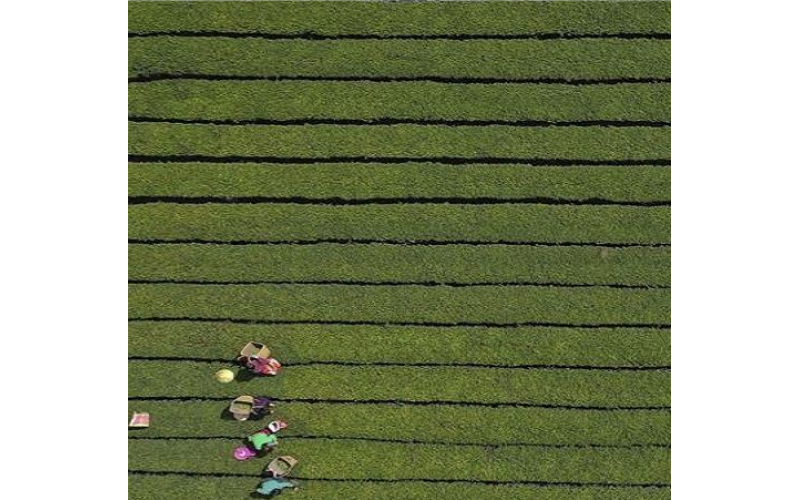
[272, 485]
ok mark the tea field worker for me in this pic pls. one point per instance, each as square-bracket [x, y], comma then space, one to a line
[261, 406]
[262, 441]
[275, 426]
[263, 366]
[274, 486]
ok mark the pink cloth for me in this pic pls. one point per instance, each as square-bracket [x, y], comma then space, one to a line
[269, 366]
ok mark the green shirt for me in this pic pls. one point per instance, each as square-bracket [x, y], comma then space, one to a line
[259, 440]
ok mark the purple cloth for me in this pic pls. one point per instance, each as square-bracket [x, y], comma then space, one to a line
[261, 405]
[261, 402]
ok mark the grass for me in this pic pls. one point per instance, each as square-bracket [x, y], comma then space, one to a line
[388, 304]
[352, 459]
[147, 487]
[497, 59]
[436, 424]
[326, 262]
[560, 387]
[276, 222]
[331, 100]
[451, 222]
[370, 181]
[623, 347]
[296, 18]
[399, 141]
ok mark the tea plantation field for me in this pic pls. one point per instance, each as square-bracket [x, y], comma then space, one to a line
[451, 223]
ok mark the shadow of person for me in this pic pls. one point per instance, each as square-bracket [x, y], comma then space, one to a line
[244, 375]
[225, 414]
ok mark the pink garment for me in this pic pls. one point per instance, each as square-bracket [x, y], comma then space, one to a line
[269, 366]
